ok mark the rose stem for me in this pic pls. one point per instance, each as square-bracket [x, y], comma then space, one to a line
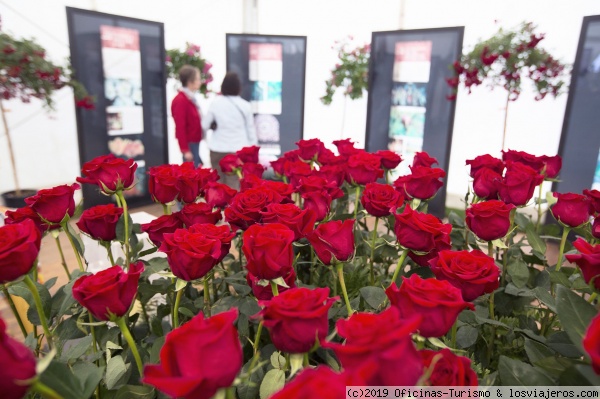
[453, 335]
[274, 288]
[45, 390]
[230, 393]
[563, 241]
[14, 310]
[340, 271]
[399, 267]
[110, 254]
[305, 361]
[592, 297]
[40, 308]
[373, 251]
[356, 202]
[62, 257]
[207, 296]
[176, 308]
[126, 225]
[255, 346]
[166, 209]
[537, 223]
[131, 342]
[490, 249]
[77, 255]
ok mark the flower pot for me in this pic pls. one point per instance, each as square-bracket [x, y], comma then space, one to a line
[12, 200]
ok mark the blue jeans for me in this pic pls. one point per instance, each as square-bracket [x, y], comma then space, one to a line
[195, 150]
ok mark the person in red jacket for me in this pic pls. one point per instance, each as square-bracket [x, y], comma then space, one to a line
[186, 113]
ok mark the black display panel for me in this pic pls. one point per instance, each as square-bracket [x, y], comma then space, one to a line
[580, 138]
[272, 71]
[407, 108]
[121, 61]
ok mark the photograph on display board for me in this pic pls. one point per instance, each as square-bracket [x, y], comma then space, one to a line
[121, 62]
[596, 183]
[126, 148]
[265, 71]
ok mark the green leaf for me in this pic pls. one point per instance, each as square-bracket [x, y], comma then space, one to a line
[373, 296]
[562, 344]
[155, 265]
[156, 347]
[574, 313]
[115, 370]
[74, 349]
[135, 392]
[579, 375]
[241, 289]
[534, 240]
[544, 297]
[121, 228]
[536, 351]
[43, 364]
[517, 373]
[521, 220]
[89, 376]
[498, 243]
[186, 312]
[274, 380]
[466, 336]
[558, 277]
[554, 365]
[59, 377]
[296, 360]
[76, 239]
[21, 290]
[250, 389]
[519, 273]
[278, 361]
[180, 284]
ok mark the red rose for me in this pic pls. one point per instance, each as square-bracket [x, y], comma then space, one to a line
[437, 301]
[318, 202]
[380, 199]
[591, 343]
[265, 292]
[419, 231]
[474, 273]
[268, 249]
[381, 342]
[230, 163]
[55, 203]
[160, 226]
[245, 208]
[489, 220]
[221, 233]
[596, 227]
[389, 159]
[188, 183]
[109, 292]
[191, 255]
[327, 157]
[250, 181]
[100, 222]
[588, 261]
[333, 173]
[345, 147]
[24, 213]
[448, 370]
[200, 212]
[485, 183]
[198, 358]
[422, 183]
[163, 183]
[423, 159]
[206, 176]
[295, 170]
[572, 209]
[363, 168]
[296, 317]
[552, 164]
[320, 382]
[218, 195]
[281, 188]
[310, 149]
[549, 166]
[518, 184]
[19, 247]
[17, 365]
[301, 222]
[485, 161]
[317, 183]
[278, 166]
[441, 243]
[254, 169]
[109, 173]
[334, 239]
[248, 154]
[594, 196]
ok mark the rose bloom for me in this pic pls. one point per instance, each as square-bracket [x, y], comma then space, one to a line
[363, 168]
[419, 231]
[268, 249]
[163, 183]
[198, 358]
[27, 213]
[218, 195]
[389, 159]
[518, 184]
[222, 233]
[422, 183]
[489, 220]
[485, 183]
[245, 208]
[449, 369]
[230, 163]
[248, 154]
[109, 292]
[200, 212]
[265, 292]
[596, 227]
[188, 183]
[320, 382]
[295, 170]
[594, 196]
[17, 365]
[591, 343]
[326, 157]
[310, 149]
[317, 183]
[157, 228]
[549, 166]
[300, 221]
[345, 147]
[423, 159]
[588, 261]
[191, 255]
[254, 169]
[437, 301]
[317, 202]
[297, 317]
[380, 199]
[333, 241]
[485, 161]
[474, 273]
[100, 222]
[53, 204]
[278, 166]
[109, 173]
[333, 173]
[19, 248]
[572, 209]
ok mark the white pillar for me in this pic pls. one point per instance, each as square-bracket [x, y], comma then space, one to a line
[250, 19]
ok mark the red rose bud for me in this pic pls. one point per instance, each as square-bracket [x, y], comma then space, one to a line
[327, 157]
[295, 170]
[191, 181]
[281, 188]
[279, 166]
[301, 222]
[100, 222]
[245, 208]
[423, 159]
[160, 226]
[389, 159]
[19, 248]
[363, 168]
[437, 301]
[320, 382]
[254, 169]
[230, 163]
[54, 204]
[345, 147]
[268, 249]
[197, 213]
[485, 183]
[594, 196]
[380, 200]
[448, 369]
[317, 202]
[296, 317]
[317, 183]
[248, 154]
[310, 149]
[191, 255]
[333, 173]
[489, 220]
[596, 227]
[549, 166]
[27, 213]
[221, 233]
[109, 292]
[474, 273]
[218, 195]
[17, 365]
[109, 173]
[485, 161]
[250, 181]
[422, 183]
[572, 209]
[86, 102]
[591, 343]
[588, 261]
[265, 292]
[518, 184]
[163, 183]
[419, 231]
[184, 370]
[382, 342]
[552, 164]
[441, 243]
[334, 239]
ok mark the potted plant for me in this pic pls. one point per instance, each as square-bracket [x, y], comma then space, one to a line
[26, 73]
[190, 56]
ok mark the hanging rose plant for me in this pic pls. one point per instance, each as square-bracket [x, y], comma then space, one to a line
[190, 56]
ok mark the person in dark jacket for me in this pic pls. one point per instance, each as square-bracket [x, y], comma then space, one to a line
[186, 113]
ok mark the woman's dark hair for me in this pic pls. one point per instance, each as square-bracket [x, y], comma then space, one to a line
[231, 85]
[187, 73]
